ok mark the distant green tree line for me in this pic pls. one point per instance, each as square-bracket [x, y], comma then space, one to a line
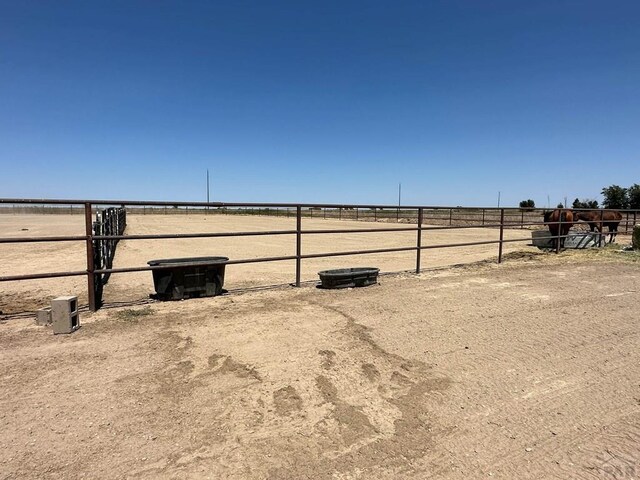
[615, 197]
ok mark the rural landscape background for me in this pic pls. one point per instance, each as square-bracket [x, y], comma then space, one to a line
[450, 145]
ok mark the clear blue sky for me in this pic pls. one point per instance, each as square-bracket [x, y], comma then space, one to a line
[323, 102]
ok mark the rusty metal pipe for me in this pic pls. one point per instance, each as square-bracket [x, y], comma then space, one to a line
[35, 276]
[91, 277]
[76, 238]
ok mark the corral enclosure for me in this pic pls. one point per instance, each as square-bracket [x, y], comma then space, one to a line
[300, 237]
[52, 257]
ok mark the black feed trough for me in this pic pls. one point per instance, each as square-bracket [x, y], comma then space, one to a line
[349, 277]
[176, 280]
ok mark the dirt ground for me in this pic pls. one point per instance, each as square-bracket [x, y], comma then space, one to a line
[529, 369]
[18, 259]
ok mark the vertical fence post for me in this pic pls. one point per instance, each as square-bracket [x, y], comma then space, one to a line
[91, 278]
[501, 235]
[626, 224]
[558, 239]
[483, 216]
[419, 240]
[298, 243]
[634, 218]
[601, 226]
[450, 216]
[521, 219]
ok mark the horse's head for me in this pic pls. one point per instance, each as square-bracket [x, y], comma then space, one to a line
[547, 215]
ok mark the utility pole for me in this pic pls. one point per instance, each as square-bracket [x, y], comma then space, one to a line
[207, 186]
[399, 201]
[498, 199]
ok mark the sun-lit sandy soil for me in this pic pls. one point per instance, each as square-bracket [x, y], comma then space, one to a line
[529, 369]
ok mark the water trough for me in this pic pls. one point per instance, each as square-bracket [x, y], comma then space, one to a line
[204, 277]
[349, 277]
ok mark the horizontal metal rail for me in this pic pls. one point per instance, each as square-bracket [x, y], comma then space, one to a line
[359, 252]
[465, 244]
[360, 230]
[160, 203]
[75, 238]
[34, 276]
[194, 235]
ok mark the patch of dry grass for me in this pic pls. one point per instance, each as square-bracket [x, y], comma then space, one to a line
[132, 315]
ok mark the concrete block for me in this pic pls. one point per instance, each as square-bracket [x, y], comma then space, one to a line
[64, 314]
[43, 316]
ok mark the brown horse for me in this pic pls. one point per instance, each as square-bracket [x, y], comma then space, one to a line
[603, 218]
[553, 219]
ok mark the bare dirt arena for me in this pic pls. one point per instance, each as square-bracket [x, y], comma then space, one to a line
[529, 369]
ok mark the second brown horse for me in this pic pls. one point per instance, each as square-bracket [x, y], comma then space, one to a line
[601, 218]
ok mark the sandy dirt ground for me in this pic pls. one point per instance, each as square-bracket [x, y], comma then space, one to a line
[71, 256]
[529, 369]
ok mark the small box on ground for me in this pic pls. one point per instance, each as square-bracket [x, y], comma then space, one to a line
[43, 316]
[64, 314]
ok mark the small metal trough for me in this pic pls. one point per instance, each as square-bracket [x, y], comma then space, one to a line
[577, 240]
[177, 281]
[349, 277]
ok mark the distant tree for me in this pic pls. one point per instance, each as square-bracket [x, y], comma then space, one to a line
[577, 203]
[633, 193]
[560, 205]
[527, 204]
[615, 197]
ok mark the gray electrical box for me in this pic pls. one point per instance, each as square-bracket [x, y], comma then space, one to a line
[43, 316]
[64, 314]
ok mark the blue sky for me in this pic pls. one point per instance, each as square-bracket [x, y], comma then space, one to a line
[319, 102]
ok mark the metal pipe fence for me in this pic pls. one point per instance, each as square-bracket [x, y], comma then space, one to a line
[107, 237]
